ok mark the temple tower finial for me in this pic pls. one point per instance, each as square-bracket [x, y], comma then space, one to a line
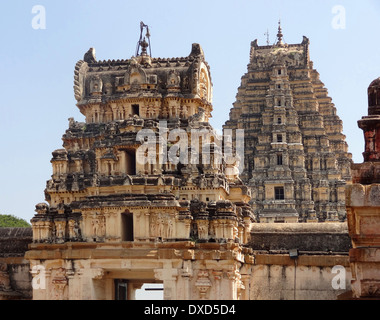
[279, 34]
[142, 42]
[267, 35]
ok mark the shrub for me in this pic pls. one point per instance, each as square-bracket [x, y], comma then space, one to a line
[9, 221]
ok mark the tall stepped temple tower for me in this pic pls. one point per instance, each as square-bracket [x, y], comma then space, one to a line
[120, 214]
[296, 158]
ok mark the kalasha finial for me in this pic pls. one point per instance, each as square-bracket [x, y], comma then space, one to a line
[279, 34]
[144, 45]
[142, 42]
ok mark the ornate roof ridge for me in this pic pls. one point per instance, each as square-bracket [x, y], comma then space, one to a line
[109, 61]
[305, 41]
[191, 58]
[126, 61]
[196, 53]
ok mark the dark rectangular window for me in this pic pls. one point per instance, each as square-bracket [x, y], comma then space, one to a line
[279, 138]
[279, 193]
[279, 120]
[135, 109]
[127, 227]
[279, 159]
[130, 162]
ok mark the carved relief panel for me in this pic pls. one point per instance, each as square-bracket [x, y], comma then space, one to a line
[174, 80]
[94, 224]
[98, 224]
[204, 85]
[135, 75]
[60, 282]
[162, 225]
[203, 283]
[60, 230]
[96, 85]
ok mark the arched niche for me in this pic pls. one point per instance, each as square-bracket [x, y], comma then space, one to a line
[135, 75]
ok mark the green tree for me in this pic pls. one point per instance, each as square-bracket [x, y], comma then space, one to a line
[9, 221]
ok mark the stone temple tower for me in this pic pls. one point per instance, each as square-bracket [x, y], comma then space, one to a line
[132, 199]
[296, 158]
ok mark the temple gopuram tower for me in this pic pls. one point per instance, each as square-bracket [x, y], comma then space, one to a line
[127, 204]
[296, 157]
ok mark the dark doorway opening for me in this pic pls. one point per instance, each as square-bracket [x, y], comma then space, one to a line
[121, 289]
[130, 162]
[127, 227]
[135, 109]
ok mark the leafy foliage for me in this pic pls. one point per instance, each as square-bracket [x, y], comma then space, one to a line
[9, 221]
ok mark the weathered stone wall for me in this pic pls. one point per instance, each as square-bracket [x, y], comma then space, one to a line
[19, 277]
[321, 247]
[366, 172]
[363, 217]
[274, 277]
[308, 237]
[15, 278]
[14, 241]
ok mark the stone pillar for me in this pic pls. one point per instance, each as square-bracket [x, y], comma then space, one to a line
[71, 283]
[363, 205]
[132, 287]
[218, 275]
[147, 224]
[93, 285]
[169, 277]
[114, 111]
[247, 230]
[44, 292]
[186, 276]
[86, 286]
[138, 225]
[232, 284]
[245, 281]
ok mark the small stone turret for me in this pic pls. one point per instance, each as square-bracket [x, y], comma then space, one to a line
[371, 124]
[363, 205]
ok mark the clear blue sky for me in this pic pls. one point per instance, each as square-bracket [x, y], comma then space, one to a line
[37, 66]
